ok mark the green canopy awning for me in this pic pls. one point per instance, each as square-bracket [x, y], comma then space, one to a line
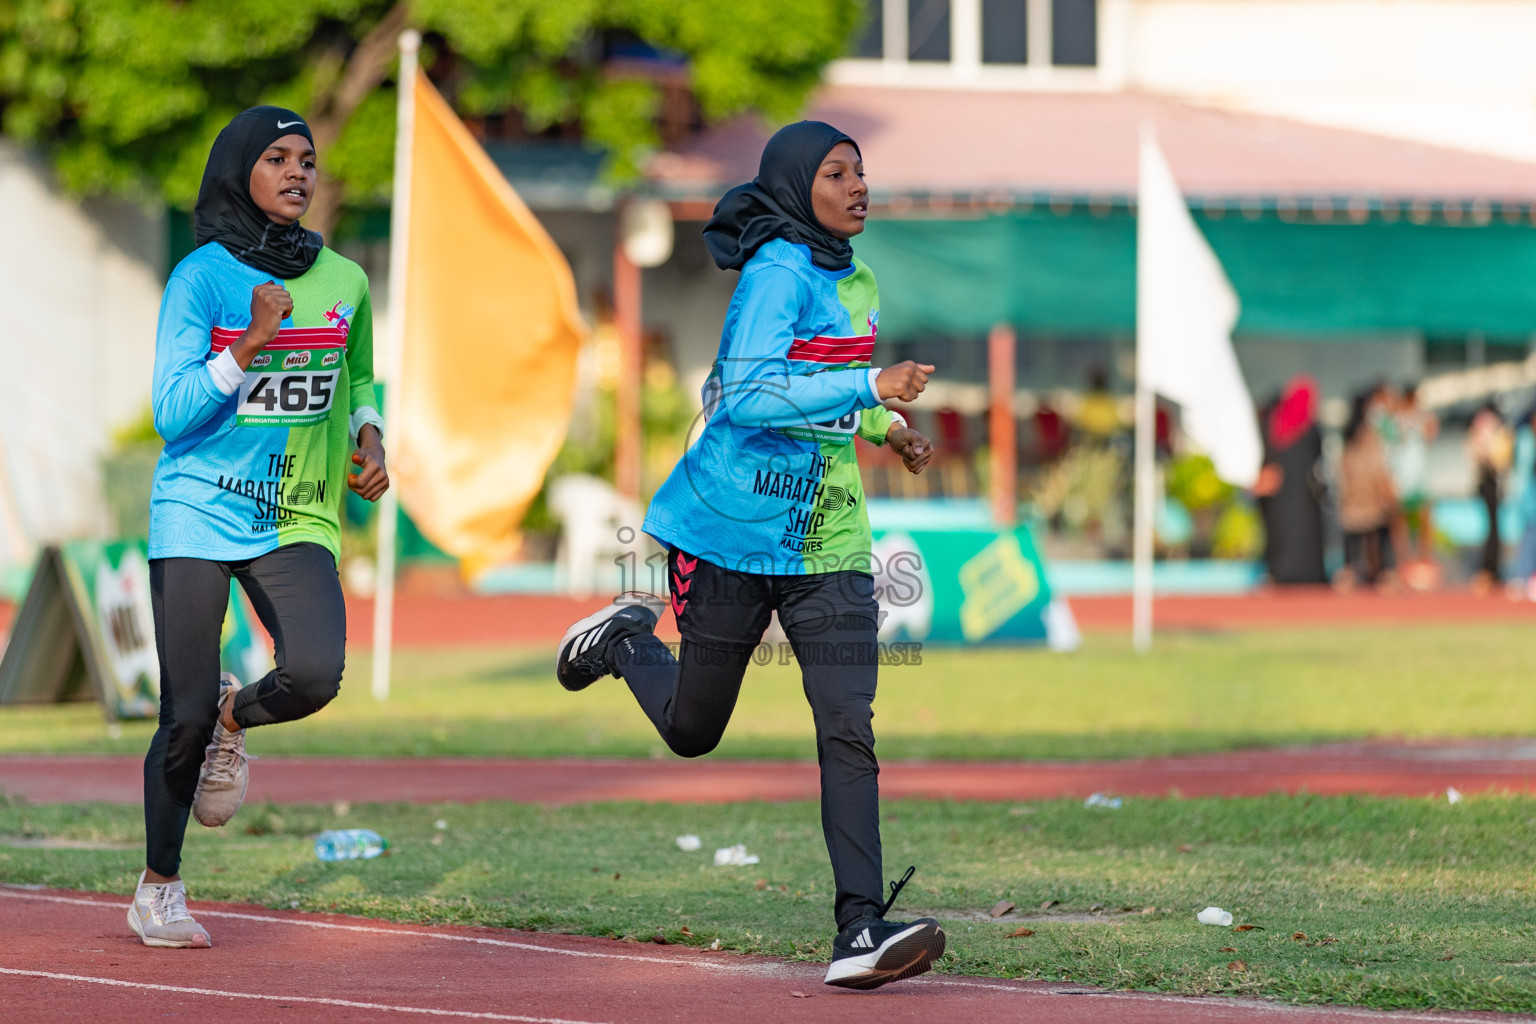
[1046, 272]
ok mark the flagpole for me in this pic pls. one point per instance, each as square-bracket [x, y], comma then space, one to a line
[394, 357]
[1146, 486]
[1146, 431]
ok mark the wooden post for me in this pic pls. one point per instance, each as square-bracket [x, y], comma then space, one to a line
[1001, 427]
[626, 320]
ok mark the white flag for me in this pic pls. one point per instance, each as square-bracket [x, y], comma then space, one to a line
[1185, 311]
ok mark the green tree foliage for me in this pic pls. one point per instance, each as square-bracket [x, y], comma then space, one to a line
[127, 95]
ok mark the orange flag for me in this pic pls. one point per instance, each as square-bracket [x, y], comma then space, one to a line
[491, 335]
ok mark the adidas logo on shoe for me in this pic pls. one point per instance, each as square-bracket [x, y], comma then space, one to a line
[869, 955]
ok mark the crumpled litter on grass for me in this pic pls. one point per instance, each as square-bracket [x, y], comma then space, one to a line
[1214, 915]
[735, 856]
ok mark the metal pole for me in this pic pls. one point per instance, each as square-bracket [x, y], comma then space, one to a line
[1146, 436]
[394, 357]
[627, 321]
[1001, 428]
[1146, 491]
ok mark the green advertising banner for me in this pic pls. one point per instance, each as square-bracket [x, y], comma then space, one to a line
[968, 586]
[86, 629]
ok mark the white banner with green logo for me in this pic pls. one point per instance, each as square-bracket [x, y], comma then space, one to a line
[967, 586]
[86, 630]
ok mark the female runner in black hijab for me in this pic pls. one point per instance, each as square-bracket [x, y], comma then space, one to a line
[263, 383]
[779, 202]
[765, 513]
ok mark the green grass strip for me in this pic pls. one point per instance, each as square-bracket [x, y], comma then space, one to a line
[1193, 693]
[1390, 903]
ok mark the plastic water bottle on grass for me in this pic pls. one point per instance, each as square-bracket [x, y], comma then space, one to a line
[349, 844]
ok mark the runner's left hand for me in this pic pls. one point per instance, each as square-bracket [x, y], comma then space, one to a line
[912, 445]
[372, 479]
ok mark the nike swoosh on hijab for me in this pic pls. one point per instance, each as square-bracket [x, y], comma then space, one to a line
[226, 213]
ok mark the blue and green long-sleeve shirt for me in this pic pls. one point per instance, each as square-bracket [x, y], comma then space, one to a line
[257, 458]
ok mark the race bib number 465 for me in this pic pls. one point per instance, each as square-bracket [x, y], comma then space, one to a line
[292, 382]
[285, 399]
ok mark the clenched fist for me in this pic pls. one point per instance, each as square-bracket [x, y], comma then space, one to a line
[912, 445]
[270, 306]
[904, 381]
[372, 479]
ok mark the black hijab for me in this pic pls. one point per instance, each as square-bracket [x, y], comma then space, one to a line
[226, 213]
[777, 203]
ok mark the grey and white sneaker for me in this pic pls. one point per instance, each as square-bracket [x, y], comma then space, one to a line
[221, 782]
[582, 657]
[158, 916]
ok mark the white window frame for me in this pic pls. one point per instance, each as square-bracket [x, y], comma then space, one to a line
[965, 69]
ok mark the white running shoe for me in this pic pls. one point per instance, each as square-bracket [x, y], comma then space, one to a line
[222, 780]
[158, 915]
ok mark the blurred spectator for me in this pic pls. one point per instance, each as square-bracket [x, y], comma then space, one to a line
[1368, 499]
[1162, 430]
[952, 452]
[1289, 488]
[1051, 434]
[1098, 413]
[1522, 487]
[1414, 430]
[1490, 448]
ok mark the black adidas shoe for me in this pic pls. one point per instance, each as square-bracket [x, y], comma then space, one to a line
[874, 952]
[583, 651]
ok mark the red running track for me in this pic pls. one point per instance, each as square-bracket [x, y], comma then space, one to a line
[80, 963]
[448, 620]
[1382, 769]
[429, 621]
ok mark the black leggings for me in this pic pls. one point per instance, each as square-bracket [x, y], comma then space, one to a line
[830, 619]
[1488, 490]
[297, 596]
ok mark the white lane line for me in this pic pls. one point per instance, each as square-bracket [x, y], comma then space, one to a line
[355, 1004]
[368, 929]
[1001, 986]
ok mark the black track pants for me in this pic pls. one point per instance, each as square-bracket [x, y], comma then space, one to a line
[830, 619]
[297, 596]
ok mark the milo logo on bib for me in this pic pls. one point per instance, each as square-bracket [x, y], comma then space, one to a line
[294, 382]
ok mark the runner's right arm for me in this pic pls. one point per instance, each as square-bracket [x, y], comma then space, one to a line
[757, 386]
[189, 388]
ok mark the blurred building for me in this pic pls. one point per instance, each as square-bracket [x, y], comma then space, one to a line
[1365, 169]
[82, 286]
